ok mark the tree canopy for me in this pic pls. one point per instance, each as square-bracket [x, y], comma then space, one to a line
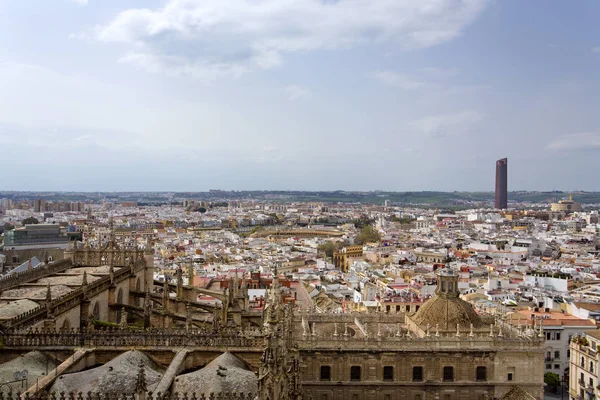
[30, 220]
[367, 234]
[551, 379]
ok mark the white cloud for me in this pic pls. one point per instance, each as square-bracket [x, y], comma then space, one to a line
[78, 36]
[439, 73]
[596, 49]
[229, 37]
[576, 141]
[80, 2]
[296, 92]
[447, 124]
[401, 81]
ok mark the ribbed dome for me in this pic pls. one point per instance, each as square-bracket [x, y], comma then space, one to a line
[446, 312]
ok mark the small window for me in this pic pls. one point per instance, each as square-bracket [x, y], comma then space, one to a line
[581, 378]
[509, 377]
[388, 373]
[591, 382]
[582, 362]
[548, 366]
[417, 374]
[355, 373]
[591, 366]
[557, 335]
[448, 374]
[557, 354]
[556, 366]
[325, 373]
[548, 336]
[481, 374]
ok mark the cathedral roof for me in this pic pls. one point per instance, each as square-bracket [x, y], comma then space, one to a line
[446, 310]
[116, 376]
[517, 393]
[224, 374]
[446, 313]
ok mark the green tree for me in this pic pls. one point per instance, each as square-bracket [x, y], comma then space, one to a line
[368, 234]
[30, 220]
[8, 227]
[552, 380]
[328, 248]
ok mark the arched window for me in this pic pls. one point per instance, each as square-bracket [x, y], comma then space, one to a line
[443, 286]
[66, 325]
[138, 288]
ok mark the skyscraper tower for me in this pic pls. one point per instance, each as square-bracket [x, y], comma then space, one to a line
[501, 184]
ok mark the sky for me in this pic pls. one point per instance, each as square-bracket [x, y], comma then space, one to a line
[191, 95]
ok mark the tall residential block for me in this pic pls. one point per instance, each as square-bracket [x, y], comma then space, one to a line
[501, 184]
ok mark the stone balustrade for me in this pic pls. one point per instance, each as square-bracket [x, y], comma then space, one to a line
[13, 280]
[71, 299]
[252, 339]
[405, 342]
[126, 396]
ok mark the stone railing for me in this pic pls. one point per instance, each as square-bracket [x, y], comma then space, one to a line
[127, 396]
[250, 339]
[69, 300]
[13, 280]
[439, 342]
[383, 318]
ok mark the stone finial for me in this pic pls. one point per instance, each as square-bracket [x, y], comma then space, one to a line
[123, 322]
[378, 329]
[346, 329]
[437, 329]
[140, 384]
[427, 330]
[398, 330]
[491, 330]
[188, 317]
[111, 274]
[335, 331]
[457, 330]
[305, 328]
[84, 281]
[29, 265]
[471, 332]
[48, 293]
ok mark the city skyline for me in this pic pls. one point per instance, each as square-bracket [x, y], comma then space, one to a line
[192, 95]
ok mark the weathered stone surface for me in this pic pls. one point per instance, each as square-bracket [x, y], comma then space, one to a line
[117, 375]
[34, 362]
[226, 373]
